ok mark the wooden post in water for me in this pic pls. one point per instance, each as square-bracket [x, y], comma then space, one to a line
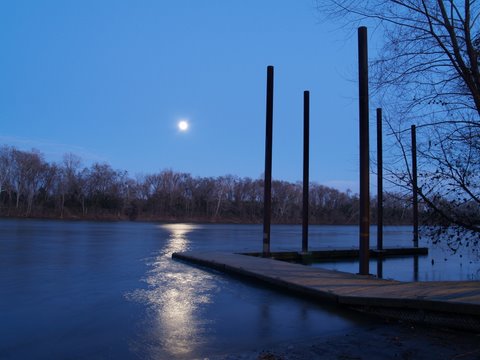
[379, 181]
[364, 240]
[267, 198]
[306, 165]
[414, 185]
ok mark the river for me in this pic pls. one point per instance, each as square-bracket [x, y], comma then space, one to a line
[110, 290]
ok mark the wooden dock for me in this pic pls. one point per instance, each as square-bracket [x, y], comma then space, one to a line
[454, 304]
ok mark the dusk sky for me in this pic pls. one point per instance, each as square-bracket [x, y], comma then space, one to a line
[110, 81]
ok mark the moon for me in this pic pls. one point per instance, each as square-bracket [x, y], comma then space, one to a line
[183, 125]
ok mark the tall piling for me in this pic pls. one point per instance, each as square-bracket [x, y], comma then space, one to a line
[267, 198]
[364, 152]
[306, 166]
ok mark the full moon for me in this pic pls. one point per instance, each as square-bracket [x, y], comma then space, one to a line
[183, 125]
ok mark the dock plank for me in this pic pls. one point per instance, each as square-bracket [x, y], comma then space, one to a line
[454, 302]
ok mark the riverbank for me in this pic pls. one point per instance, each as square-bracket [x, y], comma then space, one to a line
[382, 341]
[107, 217]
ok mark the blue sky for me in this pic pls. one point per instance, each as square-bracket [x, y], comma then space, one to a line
[109, 80]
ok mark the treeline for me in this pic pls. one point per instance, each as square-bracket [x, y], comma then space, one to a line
[33, 187]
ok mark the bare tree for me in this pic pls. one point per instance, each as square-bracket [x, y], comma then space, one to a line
[6, 161]
[426, 72]
[69, 181]
[27, 172]
[429, 58]
[104, 187]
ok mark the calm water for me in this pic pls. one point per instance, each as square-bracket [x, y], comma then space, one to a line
[85, 290]
[441, 264]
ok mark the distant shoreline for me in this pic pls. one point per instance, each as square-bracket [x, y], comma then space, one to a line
[194, 220]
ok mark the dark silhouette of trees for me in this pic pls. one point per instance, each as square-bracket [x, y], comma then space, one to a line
[32, 187]
[70, 185]
[426, 72]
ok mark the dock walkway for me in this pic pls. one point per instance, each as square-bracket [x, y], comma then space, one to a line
[453, 304]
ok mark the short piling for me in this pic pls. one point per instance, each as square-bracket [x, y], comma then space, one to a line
[379, 181]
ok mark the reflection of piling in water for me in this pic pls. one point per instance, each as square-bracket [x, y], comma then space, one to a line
[380, 267]
[415, 267]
